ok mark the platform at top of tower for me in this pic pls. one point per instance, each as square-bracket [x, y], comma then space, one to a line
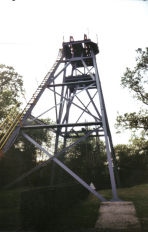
[79, 48]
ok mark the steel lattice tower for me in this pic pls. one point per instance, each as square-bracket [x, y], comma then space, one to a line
[73, 93]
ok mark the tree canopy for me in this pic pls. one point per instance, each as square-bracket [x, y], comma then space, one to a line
[133, 158]
[136, 80]
[11, 89]
[22, 156]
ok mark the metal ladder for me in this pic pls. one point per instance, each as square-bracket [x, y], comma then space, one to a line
[10, 127]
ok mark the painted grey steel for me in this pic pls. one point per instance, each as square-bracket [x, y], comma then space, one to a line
[106, 134]
[43, 164]
[63, 166]
[104, 122]
[79, 75]
[61, 125]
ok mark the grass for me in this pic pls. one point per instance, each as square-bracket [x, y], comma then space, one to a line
[81, 216]
[139, 196]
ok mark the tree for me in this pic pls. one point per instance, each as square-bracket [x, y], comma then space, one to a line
[132, 161]
[22, 156]
[132, 158]
[11, 89]
[136, 81]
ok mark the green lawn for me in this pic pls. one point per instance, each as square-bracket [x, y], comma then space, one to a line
[82, 215]
[85, 214]
[139, 196]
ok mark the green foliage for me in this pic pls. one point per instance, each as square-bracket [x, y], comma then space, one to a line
[23, 155]
[21, 158]
[132, 160]
[136, 81]
[134, 120]
[11, 89]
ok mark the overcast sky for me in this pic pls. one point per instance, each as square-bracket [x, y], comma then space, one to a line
[32, 31]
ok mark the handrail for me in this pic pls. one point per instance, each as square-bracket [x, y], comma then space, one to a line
[14, 120]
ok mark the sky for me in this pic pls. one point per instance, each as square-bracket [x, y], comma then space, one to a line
[32, 31]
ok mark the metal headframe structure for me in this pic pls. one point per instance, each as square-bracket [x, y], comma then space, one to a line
[71, 96]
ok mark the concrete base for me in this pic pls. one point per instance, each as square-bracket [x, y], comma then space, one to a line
[117, 216]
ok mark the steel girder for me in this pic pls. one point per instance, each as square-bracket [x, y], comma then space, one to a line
[72, 98]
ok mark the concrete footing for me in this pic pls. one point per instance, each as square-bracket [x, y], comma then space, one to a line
[117, 216]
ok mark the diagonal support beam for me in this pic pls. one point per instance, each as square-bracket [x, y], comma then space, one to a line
[63, 166]
[47, 161]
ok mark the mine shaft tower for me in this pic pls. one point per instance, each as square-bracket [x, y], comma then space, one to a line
[73, 93]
